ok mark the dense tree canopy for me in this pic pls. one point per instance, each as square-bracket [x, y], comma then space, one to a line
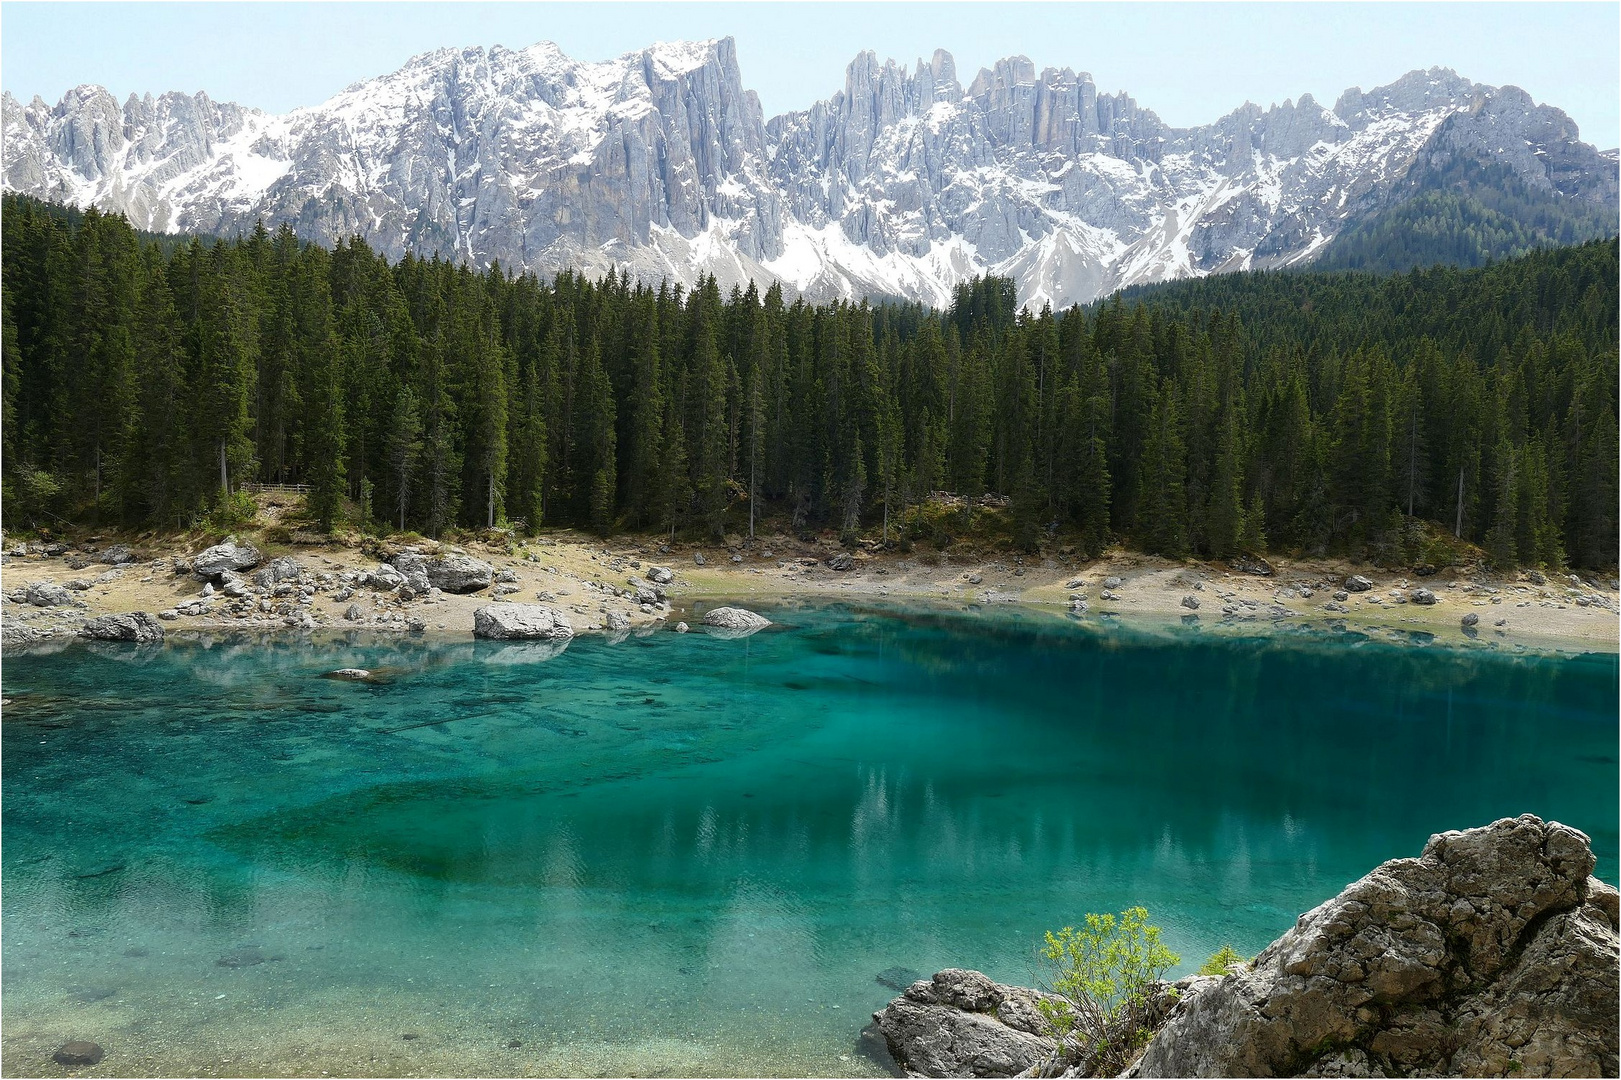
[146, 383]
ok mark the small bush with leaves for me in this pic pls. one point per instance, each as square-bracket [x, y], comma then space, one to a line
[1220, 960]
[1106, 974]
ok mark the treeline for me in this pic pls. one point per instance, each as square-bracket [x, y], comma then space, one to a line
[1465, 214]
[147, 388]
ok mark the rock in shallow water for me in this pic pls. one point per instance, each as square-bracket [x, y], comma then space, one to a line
[735, 621]
[78, 1054]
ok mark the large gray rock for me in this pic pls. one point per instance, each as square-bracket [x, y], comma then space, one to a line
[960, 1023]
[735, 621]
[47, 594]
[1357, 583]
[451, 572]
[285, 568]
[521, 622]
[1494, 953]
[230, 555]
[124, 626]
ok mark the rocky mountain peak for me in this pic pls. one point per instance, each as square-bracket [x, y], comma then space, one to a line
[901, 183]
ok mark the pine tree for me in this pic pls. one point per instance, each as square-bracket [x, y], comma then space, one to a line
[404, 449]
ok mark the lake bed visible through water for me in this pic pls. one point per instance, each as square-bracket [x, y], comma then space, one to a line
[682, 855]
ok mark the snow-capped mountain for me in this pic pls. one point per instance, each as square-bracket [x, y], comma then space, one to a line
[904, 183]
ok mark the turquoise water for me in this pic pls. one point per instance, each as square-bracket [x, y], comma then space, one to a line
[680, 855]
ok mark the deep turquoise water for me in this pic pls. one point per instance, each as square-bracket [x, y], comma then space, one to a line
[679, 854]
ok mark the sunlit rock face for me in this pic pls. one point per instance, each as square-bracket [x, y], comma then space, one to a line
[904, 183]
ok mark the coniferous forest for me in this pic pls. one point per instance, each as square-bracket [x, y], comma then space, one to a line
[147, 380]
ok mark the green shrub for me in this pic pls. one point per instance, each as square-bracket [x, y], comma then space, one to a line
[1219, 961]
[230, 511]
[1106, 974]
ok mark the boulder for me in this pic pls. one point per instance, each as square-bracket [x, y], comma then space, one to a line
[1421, 596]
[47, 594]
[227, 556]
[841, 561]
[124, 626]
[1251, 564]
[681, 628]
[1494, 953]
[1191, 603]
[698, 558]
[354, 613]
[451, 572]
[521, 622]
[960, 1023]
[1470, 619]
[659, 575]
[1112, 583]
[275, 571]
[117, 555]
[735, 621]
[1357, 583]
[384, 579]
[616, 623]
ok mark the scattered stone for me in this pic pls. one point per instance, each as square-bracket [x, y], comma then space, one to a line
[129, 626]
[1357, 583]
[77, 584]
[841, 561]
[1424, 570]
[1112, 582]
[617, 623]
[1470, 619]
[1536, 577]
[975, 579]
[521, 622]
[1421, 596]
[737, 558]
[1251, 564]
[1342, 596]
[354, 613]
[78, 1054]
[1190, 602]
[506, 577]
[681, 628]
[660, 575]
[227, 556]
[698, 557]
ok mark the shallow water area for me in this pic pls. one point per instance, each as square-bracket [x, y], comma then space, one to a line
[681, 855]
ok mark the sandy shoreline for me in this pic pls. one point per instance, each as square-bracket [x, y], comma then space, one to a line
[591, 579]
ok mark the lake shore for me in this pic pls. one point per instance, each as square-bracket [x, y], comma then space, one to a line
[591, 579]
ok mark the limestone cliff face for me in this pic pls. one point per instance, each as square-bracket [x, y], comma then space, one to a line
[903, 183]
[1495, 953]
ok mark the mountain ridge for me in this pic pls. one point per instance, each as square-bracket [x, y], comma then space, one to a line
[902, 183]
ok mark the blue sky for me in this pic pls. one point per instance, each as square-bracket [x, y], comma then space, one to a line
[1188, 62]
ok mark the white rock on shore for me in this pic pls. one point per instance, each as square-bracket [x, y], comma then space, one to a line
[521, 622]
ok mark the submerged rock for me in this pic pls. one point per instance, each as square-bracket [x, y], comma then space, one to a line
[78, 1054]
[521, 622]
[1493, 953]
[898, 978]
[735, 621]
[961, 1023]
[125, 626]
[348, 674]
